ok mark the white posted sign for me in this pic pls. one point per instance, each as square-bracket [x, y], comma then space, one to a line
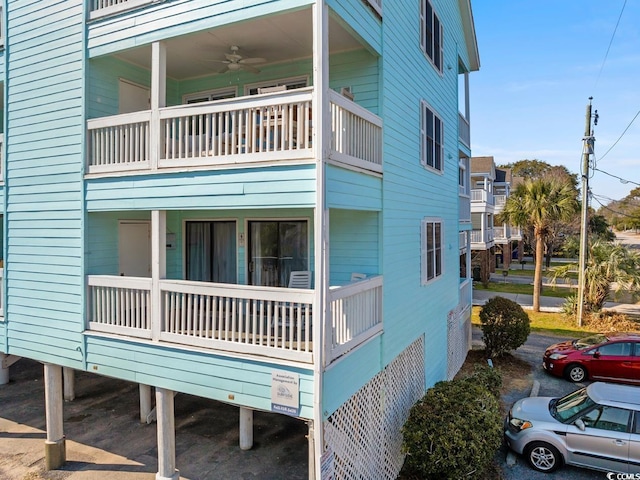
[285, 392]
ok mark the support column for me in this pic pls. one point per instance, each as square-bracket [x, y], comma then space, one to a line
[158, 266]
[246, 428]
[166, 436]
[158, 98]
[4, 369]
[54, 445]
[69, 384]
[145, 403]
[312, 453]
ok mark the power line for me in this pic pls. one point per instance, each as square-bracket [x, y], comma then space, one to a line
[623, 180]
[609, 47]
[611, 210]
[621, 135]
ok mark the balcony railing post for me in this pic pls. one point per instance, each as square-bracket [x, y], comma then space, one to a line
[158, 98]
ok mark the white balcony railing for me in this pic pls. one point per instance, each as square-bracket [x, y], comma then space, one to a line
[258, 128]
[103, 8]
[481, 236]
[464, 131]
[267, 321]
[500, 233]
[464, 209]
[356, 314]
[499, 201]
[466, 293]
[481, 195]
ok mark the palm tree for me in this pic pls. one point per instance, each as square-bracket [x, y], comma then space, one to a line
[608, 265]
[540, 203]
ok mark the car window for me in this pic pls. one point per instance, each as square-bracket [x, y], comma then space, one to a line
[570, 405]
[607, 418]
[636, 350]
[620, 349]
[636, 423]
[587, 342]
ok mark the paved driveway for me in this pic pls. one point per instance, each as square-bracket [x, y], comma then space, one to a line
[550, 386]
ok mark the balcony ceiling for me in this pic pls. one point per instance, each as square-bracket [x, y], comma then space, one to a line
[277, 38]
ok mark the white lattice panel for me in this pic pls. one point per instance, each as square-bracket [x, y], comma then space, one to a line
[458, 339]
[365, 432]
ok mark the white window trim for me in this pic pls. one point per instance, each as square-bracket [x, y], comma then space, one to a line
[424, 253]
[423, 34]
[424, 106]
[225, 91]
[275, 83]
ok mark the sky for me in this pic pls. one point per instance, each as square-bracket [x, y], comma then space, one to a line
[540, 61]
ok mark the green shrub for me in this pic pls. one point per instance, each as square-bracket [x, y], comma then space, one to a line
[489, 377]
[505, 326]
[453, 432]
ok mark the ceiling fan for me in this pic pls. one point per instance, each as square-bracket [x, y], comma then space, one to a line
[235, 61]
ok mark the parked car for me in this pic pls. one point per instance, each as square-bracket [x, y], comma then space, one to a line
[595, 427]
[611, 357]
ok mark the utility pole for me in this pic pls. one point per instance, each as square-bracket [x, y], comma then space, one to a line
[584, 228]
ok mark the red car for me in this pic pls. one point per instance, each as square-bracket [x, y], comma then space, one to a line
[611, 357]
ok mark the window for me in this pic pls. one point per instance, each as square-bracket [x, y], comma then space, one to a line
[289, 83]
[218, 94]
[431, 249]
[210, 251]
[431, 139]
[621, 349]
[431, 34]
[276, 248]
[607, 418]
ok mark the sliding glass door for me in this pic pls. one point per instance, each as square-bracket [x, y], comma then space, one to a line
[211, 251]
[276, 248]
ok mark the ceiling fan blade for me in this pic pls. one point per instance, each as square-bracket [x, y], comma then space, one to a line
[252, 61]
[249, 68]
[233, 57]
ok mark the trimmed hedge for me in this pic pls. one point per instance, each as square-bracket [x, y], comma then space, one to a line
[505, 326]
[455, 430]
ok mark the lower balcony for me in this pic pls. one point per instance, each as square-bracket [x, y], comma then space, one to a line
[264, 321]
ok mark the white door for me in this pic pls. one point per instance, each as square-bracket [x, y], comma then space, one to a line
[133, 97]
[134, 248]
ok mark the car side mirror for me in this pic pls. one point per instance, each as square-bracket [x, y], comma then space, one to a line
[580, 424]
[596, 354]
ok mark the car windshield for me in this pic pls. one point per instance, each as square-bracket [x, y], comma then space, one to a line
[563, 409]
[587, 342]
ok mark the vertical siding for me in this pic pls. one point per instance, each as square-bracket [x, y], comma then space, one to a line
[44, 179]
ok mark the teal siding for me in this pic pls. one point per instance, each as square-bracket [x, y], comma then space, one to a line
[354, 238]
[412, 192]
[195, 373]
[269, 187]
[349, 189]
[345, 377]
[44, 213]
[361, 19]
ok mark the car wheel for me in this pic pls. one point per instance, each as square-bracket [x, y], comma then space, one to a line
[576, 373]
[543, 457]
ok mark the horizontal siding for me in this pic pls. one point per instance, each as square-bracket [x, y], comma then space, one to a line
[346, 376]
[196, 373]
[44, 209]
[362, 19]
[354, 237]
[180, 17]
[349, 189]
[271, 187]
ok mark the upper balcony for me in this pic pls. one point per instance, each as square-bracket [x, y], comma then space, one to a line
[226, 96]
[482, 201]
[271, 127]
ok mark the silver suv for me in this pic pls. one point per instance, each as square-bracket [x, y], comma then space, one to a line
[595, 427]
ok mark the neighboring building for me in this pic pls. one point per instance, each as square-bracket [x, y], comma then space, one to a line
[168, 165]
[492, 242]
